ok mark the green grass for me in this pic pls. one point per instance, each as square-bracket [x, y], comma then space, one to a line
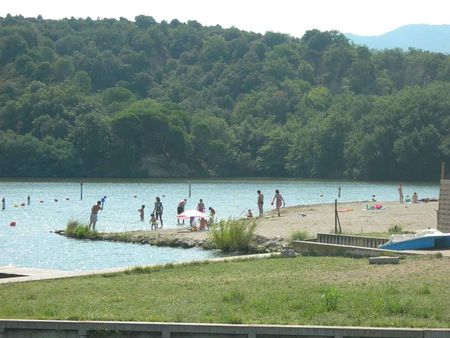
[232, 235]
[78, 230]
[301, 290]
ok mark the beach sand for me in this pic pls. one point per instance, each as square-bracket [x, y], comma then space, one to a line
[319, 218]
[354, 218]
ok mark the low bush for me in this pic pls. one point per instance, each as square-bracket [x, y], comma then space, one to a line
[75, 229]
[299, 235]
[232, 235]
[398, 229]
[395, 229]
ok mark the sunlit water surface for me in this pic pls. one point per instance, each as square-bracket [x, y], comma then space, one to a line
[32, 243]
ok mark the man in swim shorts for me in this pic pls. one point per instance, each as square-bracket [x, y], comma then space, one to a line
[94, 211]
[260, 203]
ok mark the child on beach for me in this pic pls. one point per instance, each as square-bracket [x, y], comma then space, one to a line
[201, 206]
[212, 214]
[153, 222]
[249, 213]
[141, 212]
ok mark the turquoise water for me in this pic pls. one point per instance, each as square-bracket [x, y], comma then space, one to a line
[32, 243]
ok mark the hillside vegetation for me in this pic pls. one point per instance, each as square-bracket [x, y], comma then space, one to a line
[120, 98]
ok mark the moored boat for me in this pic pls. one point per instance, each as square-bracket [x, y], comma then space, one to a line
[423, 240]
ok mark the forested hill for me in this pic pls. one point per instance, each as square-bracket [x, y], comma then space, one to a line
[140, 98]
[434, 38]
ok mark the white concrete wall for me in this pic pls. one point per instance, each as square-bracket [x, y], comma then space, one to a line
[443, 215]
[72, 329]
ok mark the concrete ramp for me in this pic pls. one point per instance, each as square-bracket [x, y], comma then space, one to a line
[10, 274]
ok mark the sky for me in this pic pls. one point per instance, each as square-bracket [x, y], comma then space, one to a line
[294, 17]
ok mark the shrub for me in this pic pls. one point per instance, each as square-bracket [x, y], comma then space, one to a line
[78, 230]
[232, 235]
[395, 229]
[398, 229]
[299, 235]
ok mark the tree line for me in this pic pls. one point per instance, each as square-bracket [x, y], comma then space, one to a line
[121, 98]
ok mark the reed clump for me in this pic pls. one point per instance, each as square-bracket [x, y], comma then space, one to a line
[78, 230]
[232, 235]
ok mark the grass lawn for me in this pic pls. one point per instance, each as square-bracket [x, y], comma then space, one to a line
[302, 290]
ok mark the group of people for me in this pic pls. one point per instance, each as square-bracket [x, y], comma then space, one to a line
[413, 199]
[277, 199]
[158, 209]
[155, 215]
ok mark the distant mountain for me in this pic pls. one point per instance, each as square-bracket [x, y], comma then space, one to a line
[434, 38]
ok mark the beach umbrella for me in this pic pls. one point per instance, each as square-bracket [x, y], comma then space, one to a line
[191, 213]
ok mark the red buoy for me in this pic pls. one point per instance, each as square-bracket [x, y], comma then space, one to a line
[12, 224]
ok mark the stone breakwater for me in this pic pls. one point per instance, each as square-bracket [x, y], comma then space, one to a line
[181, 239]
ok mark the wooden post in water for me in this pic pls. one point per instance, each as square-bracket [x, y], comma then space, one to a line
[81, 190]
[189, 189]
[3, 204]
[442, 171]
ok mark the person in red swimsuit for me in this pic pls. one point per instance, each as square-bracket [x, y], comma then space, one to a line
[279, 201]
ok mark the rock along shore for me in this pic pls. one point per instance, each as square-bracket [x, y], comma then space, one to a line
[179, 238]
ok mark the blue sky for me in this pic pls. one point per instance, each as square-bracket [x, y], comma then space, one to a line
[364, 17]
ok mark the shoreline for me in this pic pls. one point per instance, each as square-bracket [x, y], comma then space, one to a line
[273, 232]
[179, 238]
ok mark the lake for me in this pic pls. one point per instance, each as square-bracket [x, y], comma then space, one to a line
[32, 243]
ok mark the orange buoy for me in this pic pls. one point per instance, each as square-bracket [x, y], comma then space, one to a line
[12, 224]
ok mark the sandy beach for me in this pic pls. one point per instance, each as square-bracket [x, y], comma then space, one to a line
[319, 218]
[354, 218]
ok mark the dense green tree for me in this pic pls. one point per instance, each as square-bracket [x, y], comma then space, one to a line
[114, 97]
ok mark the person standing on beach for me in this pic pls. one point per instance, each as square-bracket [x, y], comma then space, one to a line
[201, 206]
[94, 211]
[279, 201]
[141, 212]
[400, 192]
[180, 209]
[260, 203]
[158, 210]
